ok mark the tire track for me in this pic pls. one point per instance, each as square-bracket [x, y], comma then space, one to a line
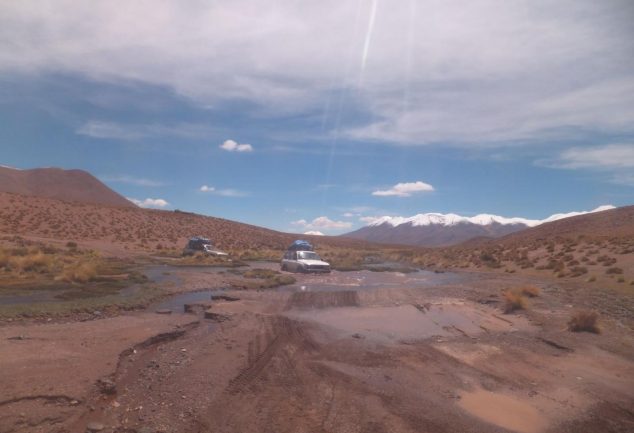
[344, 298]
[284, 332]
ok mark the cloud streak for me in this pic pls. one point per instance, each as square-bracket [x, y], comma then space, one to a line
[224, 192]
[131, 132]
[131, 180]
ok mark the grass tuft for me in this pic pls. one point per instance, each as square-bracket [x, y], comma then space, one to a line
[81, 272]
[530, 291]
[584, 321]
[514, 300]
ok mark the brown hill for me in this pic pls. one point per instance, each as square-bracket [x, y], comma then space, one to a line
[56, 183]
[135, 228]
[613, 223]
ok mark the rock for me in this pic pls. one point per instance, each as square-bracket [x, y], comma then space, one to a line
[17, 337]
[164, 311]
[215, 316]
[106, 386]
[197, 307]
[358, 336]
[94, 427]
[224, 298]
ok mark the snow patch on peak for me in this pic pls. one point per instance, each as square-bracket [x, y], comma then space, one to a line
[452, 219]
[559, 216]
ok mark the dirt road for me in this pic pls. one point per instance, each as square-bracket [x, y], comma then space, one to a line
[335, 357]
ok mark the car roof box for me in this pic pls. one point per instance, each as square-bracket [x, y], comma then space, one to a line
[300, 245]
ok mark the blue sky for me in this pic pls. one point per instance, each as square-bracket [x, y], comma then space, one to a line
[350, 109]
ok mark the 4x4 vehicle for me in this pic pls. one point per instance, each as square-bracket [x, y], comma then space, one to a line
[304, 261]
[202, 245]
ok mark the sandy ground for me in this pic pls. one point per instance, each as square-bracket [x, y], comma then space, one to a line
[349, 352]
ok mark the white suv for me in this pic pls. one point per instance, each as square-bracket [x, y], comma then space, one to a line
[304, 261]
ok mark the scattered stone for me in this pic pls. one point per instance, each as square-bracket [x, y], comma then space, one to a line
[197, 307]
[17, 337]
[106, 386]
[74, 403]
[97, 313]
[358, 336]
[224, 298]
[164, 311]
[116, 404]
[95, 427]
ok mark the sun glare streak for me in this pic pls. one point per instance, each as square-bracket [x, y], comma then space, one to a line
[408, 55]
[368, 39]
[343, 89]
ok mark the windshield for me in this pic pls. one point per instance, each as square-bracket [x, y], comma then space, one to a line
[308, 255]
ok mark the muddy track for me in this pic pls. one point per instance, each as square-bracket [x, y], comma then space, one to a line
[284, 332]
[344, 298]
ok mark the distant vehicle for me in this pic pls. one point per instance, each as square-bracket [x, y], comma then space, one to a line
[202, 245]
[300, 257]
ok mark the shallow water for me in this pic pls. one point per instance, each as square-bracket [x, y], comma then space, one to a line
[407, 322]
[176, 303]
[368, 280]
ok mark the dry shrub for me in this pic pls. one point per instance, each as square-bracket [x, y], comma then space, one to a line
[34, 261]
[530, 291]
[4, 259]
[584, 321]
[81, 272]
[514, 300]
[614, 270]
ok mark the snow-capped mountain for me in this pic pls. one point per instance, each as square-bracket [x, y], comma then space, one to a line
[436, 229]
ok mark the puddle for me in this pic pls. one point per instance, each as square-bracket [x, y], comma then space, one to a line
[177, 303]
[32, 297]
[503, 411]
[407, 322]
[162, 274]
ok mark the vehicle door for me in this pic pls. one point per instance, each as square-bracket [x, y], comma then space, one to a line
[295, 266]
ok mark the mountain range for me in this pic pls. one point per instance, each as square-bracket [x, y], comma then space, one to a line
[436, 229]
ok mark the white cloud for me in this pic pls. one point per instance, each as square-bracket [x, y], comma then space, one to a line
[476, 73]
[226, 192]
[405, 189]
[232, 146]
[348, 215]
[322, 222]
[369, 219]
[155, 203]
[314, 233]
[131, 180]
